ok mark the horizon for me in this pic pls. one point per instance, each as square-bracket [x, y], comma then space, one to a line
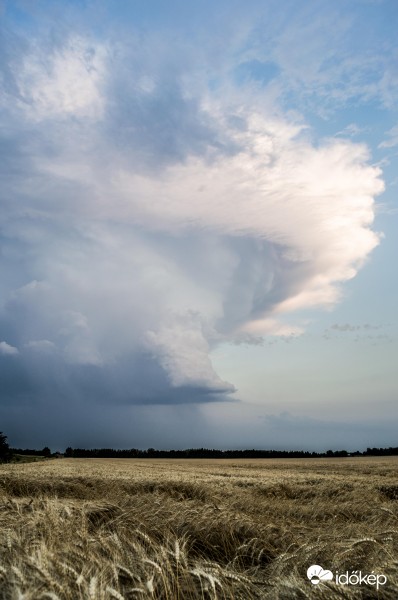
[198, 232]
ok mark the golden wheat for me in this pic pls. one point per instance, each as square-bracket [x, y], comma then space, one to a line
[102, 529]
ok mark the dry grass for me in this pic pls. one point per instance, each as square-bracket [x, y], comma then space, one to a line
[98, 529]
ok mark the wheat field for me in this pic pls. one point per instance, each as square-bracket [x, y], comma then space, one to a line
[102, 529]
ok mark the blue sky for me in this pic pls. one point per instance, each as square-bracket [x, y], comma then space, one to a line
[198, 227]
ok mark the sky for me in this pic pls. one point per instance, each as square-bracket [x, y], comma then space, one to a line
[198, 224]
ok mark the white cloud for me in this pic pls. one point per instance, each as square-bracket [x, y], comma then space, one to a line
[7, 349]
[183, 352]
[351, 130]
[66, 82]
[392, 138]
[316, 203]
[41, 345]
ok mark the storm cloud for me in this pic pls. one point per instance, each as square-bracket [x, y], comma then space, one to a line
[148, 218]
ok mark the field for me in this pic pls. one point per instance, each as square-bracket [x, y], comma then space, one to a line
[100, 529]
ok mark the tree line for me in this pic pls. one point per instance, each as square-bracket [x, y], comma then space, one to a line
[7, 453]
[214, 453]
[192, 453]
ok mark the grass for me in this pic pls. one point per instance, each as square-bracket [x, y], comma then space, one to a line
[27, 458]
[98, 529]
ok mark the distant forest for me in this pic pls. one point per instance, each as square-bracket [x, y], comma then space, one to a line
[6, 453]
[201, 453]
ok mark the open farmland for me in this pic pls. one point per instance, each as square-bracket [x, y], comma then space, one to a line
[99, 529]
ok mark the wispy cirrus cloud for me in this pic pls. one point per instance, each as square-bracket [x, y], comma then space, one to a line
[391, 138]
